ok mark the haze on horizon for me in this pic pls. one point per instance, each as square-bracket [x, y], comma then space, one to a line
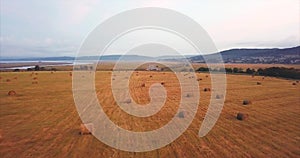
[56, 28]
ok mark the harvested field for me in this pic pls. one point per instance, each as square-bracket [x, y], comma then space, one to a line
[42, 121]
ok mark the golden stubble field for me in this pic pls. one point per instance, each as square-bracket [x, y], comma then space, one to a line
[42, 121]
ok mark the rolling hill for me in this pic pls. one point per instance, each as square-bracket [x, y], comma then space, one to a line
[259, 56]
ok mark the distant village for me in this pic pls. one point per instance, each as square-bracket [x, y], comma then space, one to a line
[292, 59]
[287, 59]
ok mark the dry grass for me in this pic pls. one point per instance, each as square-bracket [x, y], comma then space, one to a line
[42, 121]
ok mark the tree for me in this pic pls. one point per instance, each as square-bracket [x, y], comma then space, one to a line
[235, 70]
[249, 71]
[260, 71]
[228, 70]
[203, 69]
[37, 68]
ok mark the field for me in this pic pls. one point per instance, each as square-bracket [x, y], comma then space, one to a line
[42, 121]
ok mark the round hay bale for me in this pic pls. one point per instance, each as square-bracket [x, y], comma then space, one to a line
[150, 76]
[12, 93]
[143, 85]
[35, 78]
[258, 83]
[199, 79]
[206, 76]
[188, 95]
[294, 83]
[241, 116]
[127, 101]
[206, 89]
[181, 114]
[162, 83]
[246, 102]
[87, 128]
[219, 96]
[7, 80]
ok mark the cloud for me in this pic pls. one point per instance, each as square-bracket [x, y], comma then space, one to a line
[47, 28]
[76, 11]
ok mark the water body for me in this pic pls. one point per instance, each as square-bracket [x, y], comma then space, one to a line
[21, 64]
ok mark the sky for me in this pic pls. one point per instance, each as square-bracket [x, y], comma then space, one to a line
[35, 28]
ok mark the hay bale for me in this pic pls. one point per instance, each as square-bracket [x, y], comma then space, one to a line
[188, 95]
[150, 76]
[181, 114]
[35, 78]
[143, 85]
[87, 128]
[219, 96]
[246, 102]
[294, 83]
[127, 101]
[241, 116]
[206, 89]
[258, 83]
[199, 79]
[12, 93]
[7, 80]
[162, 83]
[206, 76]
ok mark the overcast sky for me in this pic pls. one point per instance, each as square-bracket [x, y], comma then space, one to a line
[57, 28]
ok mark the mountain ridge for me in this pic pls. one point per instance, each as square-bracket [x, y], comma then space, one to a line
[240, 55]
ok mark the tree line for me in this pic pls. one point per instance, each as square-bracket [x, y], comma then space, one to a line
[271, 71]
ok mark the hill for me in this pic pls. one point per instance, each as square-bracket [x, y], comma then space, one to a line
[258, 56]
